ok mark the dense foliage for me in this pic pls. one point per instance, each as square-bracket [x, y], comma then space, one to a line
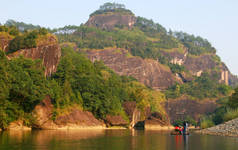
[195, 45]
[78, 81]
[228, 110]
[21, 26]
[200, 88]
[11, 30]
[136, 41]
[96, 87]
[26, 40]
[22, 86]
[233, 101]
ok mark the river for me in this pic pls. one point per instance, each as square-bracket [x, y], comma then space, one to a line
[111, 140]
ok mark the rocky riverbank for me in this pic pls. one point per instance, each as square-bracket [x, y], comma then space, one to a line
[229, 128]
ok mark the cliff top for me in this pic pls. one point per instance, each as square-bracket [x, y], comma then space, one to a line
[111, 8]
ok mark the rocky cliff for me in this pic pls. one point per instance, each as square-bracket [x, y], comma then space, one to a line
[146, 71]
[49, 52]
[182, 107]
[109, 21]
[196, 65]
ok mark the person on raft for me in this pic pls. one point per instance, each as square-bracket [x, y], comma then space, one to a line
[185, 127]
[178, 129]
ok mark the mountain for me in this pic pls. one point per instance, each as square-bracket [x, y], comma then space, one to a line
[116, 69]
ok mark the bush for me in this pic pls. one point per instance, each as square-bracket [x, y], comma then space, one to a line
[231, 114]
[28, 40]
[206, 123]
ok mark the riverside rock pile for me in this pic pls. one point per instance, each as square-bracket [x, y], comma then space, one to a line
[229, 128]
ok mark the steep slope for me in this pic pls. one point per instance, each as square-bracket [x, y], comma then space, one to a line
[109, 21]
[146, 71]
[111, 15]
[185, 66]
[45, 47]
[49, 52]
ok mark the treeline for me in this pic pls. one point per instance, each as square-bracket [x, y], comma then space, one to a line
[136, 41]
[27, 39]
[196, 45]
[112, 7]
[21, 26]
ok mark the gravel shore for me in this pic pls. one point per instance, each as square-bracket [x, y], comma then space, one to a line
[229, 128]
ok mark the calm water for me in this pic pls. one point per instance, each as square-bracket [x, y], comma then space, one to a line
[112, 140]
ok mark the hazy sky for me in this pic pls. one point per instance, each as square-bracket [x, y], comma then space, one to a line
[215, 20]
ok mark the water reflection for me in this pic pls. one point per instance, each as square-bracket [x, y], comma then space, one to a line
[111, 140]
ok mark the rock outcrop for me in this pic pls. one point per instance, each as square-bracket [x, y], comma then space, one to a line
[132, 112]
[49, 53]
[109, 21]
[156, 121]
[146, 71]
[116, 120]
[183, 107]
[196, 65]
[17, 125]
[75, 119]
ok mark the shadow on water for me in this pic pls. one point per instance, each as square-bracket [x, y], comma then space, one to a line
[111, 140]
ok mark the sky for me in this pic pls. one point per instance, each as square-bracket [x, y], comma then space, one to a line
[215, 20]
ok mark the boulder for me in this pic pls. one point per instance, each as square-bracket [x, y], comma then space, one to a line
[116, 120]
[74, 119]
[17, 125]
[156, 121]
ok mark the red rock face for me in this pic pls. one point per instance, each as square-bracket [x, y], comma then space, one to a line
[50, 55]
[108, 21]
[116, 120]
[146, 71]
[183, 107]
[76, 118]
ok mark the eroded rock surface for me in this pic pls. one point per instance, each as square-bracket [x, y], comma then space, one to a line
[109, 21]
[146, 71]
[17, 125]
[183, 107]
[72, 120]
[116, 120]
[49, 53]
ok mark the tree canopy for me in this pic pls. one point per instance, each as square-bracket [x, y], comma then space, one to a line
[112, 7]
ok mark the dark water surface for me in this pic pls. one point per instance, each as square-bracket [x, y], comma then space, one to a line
[111, 140]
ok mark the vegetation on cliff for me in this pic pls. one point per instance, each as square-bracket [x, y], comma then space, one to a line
[228, 110]
[98, 89]
[94, 87]
[78, 81]
[22, 86]
[112, 8]
[26, 40]
[200, 88]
